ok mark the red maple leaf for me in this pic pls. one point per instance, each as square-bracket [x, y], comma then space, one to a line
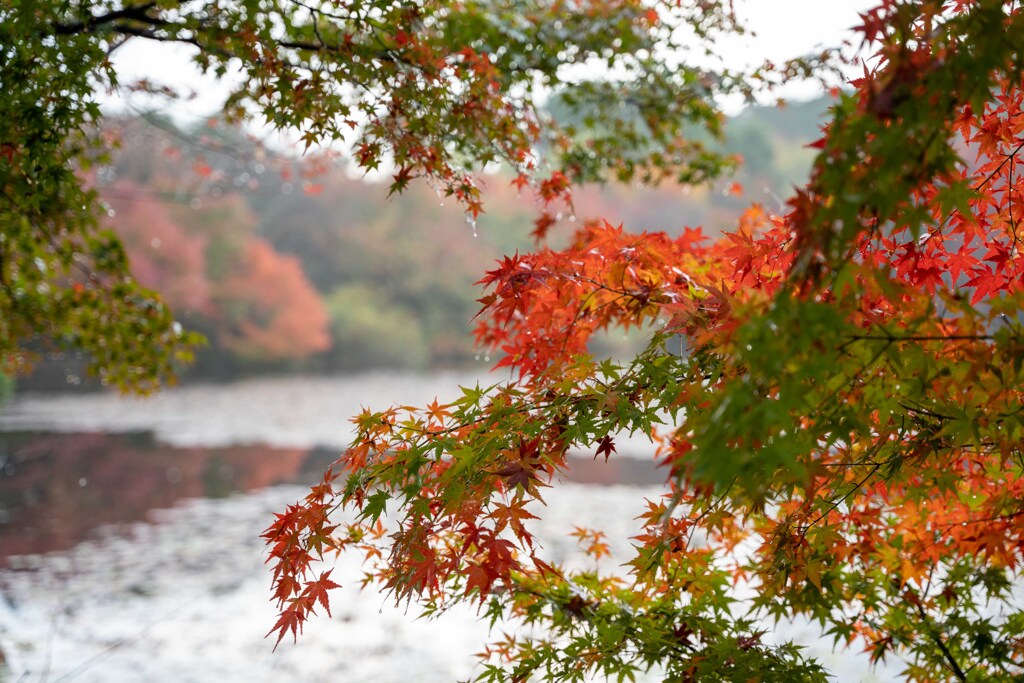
[517, 474]
[606, 446]
[317, 590]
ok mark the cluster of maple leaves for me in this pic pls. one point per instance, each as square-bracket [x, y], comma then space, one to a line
[841, 430]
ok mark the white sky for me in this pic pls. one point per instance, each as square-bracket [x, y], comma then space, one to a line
[784, 29]
[789, 28]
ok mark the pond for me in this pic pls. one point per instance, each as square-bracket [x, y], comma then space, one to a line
[130, 549]
[56, 489]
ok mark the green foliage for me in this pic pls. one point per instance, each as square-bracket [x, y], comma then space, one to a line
[369, 331]
[7, 388]
[64, 279]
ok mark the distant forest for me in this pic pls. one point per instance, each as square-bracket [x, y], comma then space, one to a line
[292, 265]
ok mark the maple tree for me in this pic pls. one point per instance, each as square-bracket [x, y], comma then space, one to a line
[270, 310]
[841, 433]
[434, 90]
[164, 256]
[254, 303]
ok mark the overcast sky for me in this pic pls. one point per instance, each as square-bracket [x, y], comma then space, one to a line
[784, 28]
[788, 28]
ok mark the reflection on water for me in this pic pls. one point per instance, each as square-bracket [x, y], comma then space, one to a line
[55, 489]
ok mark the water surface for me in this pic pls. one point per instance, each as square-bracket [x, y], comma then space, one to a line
[57, 488]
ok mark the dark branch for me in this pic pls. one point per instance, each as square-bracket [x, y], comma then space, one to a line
[299, 45]
[921, 337]
[954, 666]
[124, 22]
[136, 13]
[159, 37]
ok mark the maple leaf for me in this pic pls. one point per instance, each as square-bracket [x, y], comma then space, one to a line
[606, 446]
[872, 25]
[986, 282]
[512, 514]
[479, 579]
[317, 590]
[291, 619]
[400, 180]
[542, 225]
[517, 474]
[285, 587]
[960, 262]
[681, 313]
[437, 412]
[691, 237]
[520, 181]
[553, 187]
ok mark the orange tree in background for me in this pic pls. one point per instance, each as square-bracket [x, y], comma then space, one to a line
[433, 90]
[842, 434]
[207, 264]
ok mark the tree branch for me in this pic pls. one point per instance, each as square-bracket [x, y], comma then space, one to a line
[920, 338]
[87, 25]
[159, 37]
[954, 666]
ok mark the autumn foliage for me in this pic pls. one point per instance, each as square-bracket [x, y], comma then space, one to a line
[271, 311]
[840, 425]
[165, 256]
[252, 301]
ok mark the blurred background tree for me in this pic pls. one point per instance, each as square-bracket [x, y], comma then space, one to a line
[435, 91]
[394, 275]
